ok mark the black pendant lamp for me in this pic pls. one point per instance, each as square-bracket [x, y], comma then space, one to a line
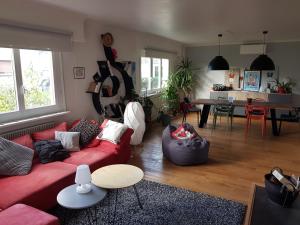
[218, 63]
[263, 62]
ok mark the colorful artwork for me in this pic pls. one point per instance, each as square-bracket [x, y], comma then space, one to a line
[232, 78]
[251, 80]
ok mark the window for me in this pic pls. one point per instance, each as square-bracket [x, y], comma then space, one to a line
[29, 84]
[154, 74]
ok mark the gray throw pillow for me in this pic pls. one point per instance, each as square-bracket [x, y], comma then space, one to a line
[15, 159]
[87, 131]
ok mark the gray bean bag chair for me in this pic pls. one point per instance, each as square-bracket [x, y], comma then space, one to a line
[184, 152]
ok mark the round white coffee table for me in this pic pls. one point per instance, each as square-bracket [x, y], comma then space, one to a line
[70, 199]
[116, 177]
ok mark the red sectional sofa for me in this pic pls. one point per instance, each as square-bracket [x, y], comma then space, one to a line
[21, 214]
[40, 187]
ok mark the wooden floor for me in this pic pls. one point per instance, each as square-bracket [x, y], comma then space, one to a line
[235, 162]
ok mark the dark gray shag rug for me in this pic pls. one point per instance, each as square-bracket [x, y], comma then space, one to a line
[162, 205]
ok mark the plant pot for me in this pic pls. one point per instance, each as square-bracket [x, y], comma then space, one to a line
[165, 120]
[281, 90]
[277, 194]
[148, 112]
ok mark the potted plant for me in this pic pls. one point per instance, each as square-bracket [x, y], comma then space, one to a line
[170, 97]
[180, 82]
[147, 106]
[183, 77]
[284, 87]
[145, 101]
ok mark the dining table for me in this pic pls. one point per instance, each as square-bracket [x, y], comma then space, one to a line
[273, 106]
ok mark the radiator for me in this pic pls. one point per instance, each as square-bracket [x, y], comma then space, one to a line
[27, 130]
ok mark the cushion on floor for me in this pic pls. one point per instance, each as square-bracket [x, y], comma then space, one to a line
[184, 152]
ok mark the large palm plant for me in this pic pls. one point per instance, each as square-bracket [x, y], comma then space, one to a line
[180, 80]
[183, 76]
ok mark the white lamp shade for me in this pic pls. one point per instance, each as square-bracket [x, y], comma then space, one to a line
[134, 117]
[83, 175]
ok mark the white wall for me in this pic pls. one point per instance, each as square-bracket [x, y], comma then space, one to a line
[86, 50]
[40, 14]
[129, 45]
[285, 56]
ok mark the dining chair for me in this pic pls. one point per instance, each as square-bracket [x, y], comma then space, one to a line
[223, 110]
[292, 116]
[186, 106]
[255, 112]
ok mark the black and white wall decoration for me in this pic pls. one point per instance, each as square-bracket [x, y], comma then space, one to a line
[116, 85]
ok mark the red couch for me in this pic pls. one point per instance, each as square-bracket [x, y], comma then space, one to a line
[40, 187]
[21, 214]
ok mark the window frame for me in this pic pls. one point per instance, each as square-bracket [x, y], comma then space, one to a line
[21, 113]
[154, 91]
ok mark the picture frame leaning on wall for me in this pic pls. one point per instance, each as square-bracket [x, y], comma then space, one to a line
[251, 80]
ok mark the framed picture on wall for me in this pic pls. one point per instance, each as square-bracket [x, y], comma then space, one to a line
[268, 80]
[79, 72]
[251, 80]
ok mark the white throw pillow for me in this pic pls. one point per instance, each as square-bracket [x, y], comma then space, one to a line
[69, 140]
[112, 131]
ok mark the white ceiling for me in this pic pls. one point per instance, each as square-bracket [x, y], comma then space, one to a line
[197, 22]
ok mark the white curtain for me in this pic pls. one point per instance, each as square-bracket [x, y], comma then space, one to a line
[15, 35]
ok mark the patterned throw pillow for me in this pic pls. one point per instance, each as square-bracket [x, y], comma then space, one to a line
[182, 134]
[87, 131]
[15, 159]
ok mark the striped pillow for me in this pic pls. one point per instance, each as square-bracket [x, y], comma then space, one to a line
[15, 159]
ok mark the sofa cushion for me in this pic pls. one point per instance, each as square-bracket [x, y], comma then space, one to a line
[94, 142]
[87, 131]
[94, 157]
[49, 134]
[24, 140]
[15, 159]
[21, 214]
[69, 140]
[182, 134]
[112, 131]
[39, 188]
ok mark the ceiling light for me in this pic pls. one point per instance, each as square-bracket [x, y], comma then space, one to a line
[218, 63]
[263, 62]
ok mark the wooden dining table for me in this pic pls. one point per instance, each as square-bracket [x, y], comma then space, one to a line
[273, 106]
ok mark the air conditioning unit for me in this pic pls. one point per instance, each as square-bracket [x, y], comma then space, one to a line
[252, 49]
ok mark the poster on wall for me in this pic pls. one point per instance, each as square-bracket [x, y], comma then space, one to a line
[232, 78]
[268, 80]
[251, 80]
[130, 68]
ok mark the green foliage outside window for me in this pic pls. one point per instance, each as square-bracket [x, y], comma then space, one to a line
[7, 99]
[34, 96]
